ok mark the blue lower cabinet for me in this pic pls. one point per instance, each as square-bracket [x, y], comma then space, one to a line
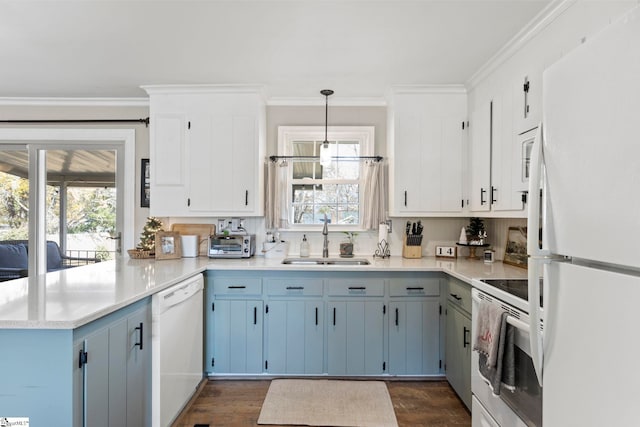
[295, 336]
[237, 336]
[414, 347]
[355, 337]
[112, 371]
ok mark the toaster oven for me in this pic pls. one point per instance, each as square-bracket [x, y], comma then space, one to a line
[232, 246]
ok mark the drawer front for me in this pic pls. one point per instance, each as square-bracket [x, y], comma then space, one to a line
[237, 286]
[460, 294]
[293, 287]
[356, 287]
[414, 287]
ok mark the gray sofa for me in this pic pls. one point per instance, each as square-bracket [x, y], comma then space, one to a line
[14, 261]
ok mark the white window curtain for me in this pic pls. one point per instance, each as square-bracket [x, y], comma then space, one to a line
[374, 193]
[276, 200]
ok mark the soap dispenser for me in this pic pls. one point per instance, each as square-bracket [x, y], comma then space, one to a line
[304, 246]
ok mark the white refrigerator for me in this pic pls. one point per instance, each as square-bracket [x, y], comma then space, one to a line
[586, 167]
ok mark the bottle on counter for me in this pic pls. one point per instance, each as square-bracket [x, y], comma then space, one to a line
[304, 246]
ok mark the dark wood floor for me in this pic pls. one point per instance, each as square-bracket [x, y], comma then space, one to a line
[238, 403]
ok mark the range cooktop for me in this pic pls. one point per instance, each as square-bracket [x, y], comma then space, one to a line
[516, 287]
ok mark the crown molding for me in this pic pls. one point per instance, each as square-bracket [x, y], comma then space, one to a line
[428, 89]
[320, 102]
[546, 16]
[73, 102]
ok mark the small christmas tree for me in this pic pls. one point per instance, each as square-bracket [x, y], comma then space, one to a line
[475, 230]
[148, 235]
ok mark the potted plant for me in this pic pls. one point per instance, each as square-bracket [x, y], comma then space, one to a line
[476, 232]
[346, 247]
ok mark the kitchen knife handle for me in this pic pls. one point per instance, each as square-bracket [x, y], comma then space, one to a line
[482, 200]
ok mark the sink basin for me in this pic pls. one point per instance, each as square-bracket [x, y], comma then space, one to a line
[325, 261]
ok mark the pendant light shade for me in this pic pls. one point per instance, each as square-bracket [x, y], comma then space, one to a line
[325, 153]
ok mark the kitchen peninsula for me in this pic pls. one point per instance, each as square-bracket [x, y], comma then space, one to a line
[43, 318]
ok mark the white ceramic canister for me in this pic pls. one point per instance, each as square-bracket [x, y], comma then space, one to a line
[190, 246]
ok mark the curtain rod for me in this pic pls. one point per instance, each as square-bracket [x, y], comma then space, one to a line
[145, 121]
[375, 158]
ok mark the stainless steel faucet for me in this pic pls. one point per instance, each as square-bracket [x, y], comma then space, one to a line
[325, 233]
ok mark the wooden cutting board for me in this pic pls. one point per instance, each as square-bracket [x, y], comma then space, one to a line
[201, 230]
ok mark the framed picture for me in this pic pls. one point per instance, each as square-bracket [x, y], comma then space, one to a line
[145, 184]
[515, 252]
[168, 245]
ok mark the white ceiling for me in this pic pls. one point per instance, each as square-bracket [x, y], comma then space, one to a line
[359, 48]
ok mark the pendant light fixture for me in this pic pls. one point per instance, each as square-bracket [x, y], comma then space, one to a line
[325, 153]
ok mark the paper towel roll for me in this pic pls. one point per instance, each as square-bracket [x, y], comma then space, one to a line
[383, 232]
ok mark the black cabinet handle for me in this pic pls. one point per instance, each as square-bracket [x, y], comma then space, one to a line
[482, 200]
[236, 287]
[334, 316]
[415, 288]
[465, 343]
[255, 315]
[295, 288]
[357, 288]
[140, 328]
[317, 316]
[494, 190]
[405, 198]
[456, 297]
[246, 197]
[396, 316]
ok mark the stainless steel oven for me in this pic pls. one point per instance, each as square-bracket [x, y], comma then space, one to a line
[521, 406]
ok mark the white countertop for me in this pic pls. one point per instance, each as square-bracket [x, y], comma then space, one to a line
[71, 298]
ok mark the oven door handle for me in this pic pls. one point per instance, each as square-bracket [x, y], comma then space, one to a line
[517, 323]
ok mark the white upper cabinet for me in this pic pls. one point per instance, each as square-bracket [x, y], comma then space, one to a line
[480, 158]
[527, 102]
[425, 149]
[495, 156]
[207, 150]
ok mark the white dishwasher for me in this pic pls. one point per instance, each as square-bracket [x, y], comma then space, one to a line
[176, 357]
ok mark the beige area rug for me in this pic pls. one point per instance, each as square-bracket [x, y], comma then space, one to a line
[328, 403]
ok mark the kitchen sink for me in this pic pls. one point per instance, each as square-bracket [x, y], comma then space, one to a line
[326, 261]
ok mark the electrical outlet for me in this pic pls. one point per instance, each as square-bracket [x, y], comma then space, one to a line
[447, 251]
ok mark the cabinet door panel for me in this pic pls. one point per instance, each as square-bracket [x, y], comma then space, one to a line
[244, 146]
[202, 154]
[355, 341]
[117, 384]
[138, 346]
[168, 154]
[480, 158]
[314, 337]
[238, 336]
[295, 340]
[414, 337]
[96, 373]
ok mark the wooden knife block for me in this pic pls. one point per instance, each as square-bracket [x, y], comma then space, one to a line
[413, 251]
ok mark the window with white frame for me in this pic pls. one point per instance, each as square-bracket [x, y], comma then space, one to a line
[314, 190]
